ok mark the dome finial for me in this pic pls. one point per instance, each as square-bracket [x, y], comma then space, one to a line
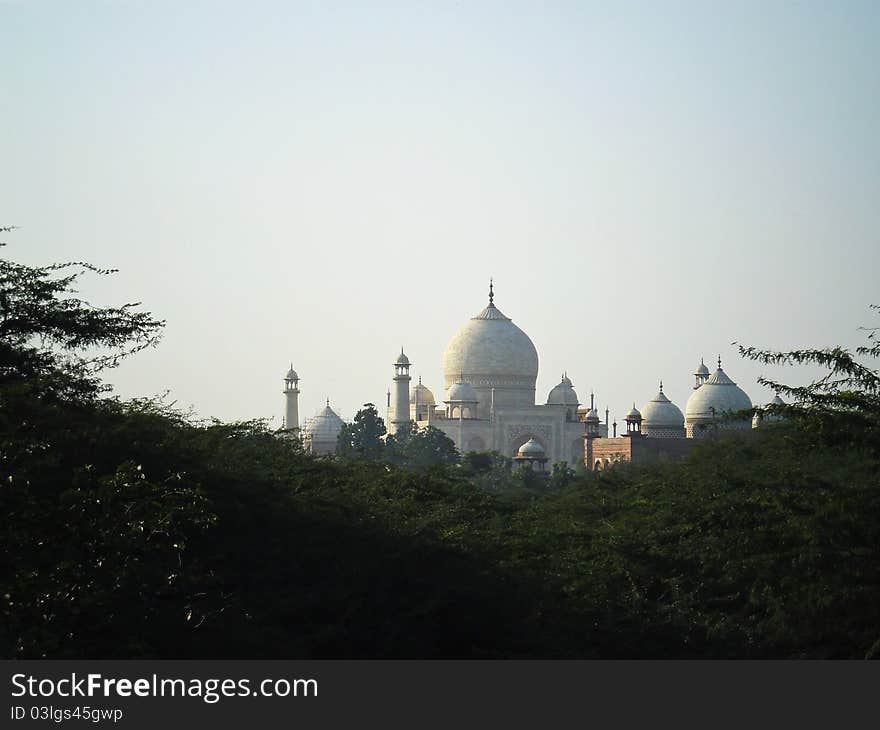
[661, 386]
[719, 361]
[491, 292]
[328, 402]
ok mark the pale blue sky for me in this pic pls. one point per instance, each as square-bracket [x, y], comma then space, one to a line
[324, 182]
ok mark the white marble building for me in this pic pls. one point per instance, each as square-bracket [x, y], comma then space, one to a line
[490, 367]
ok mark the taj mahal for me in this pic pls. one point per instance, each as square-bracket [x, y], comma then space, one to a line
[490, 367]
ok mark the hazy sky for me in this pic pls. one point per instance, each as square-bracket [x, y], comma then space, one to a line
[325, 182]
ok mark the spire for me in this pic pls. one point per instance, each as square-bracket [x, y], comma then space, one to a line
[719, 361]
[661, 386]
[491, 292]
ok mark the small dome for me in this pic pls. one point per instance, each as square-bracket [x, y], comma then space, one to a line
[701, 368]
[660, 412]
[291, 374]
[777, 401]
[718, 395]
[325, 426]
[401, 359]
[531, 448]
[634, 413]
[423, 394]
[461, 393]
[562, 394]
[592, 416]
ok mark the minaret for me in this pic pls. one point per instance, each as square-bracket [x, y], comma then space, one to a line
[591, 431]
[401, 392]
[291, 400]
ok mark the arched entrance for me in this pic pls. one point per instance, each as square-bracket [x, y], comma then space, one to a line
[521, 438]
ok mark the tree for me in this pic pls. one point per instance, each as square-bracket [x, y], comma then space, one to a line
[55, 343]
[489, 470]
[850, 389]
[90, 542]
[362, 439]
[561, 476]
[421, 448]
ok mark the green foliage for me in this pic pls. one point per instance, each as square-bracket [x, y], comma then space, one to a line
[489, 470]
[561, 476]
[100, 566]
[760, 545]
[850, 388]
[362, 439]
[416, 448]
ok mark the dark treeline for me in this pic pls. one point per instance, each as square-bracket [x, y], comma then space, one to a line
[131, 530]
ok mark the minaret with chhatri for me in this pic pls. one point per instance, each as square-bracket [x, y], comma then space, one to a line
[291, 400]
[401, 392]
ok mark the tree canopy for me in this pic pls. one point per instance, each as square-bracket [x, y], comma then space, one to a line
[421, 448]
[362, 439]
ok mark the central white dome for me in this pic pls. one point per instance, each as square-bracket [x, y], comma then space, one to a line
[491, 352]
